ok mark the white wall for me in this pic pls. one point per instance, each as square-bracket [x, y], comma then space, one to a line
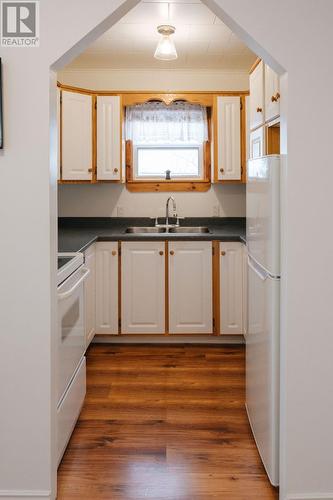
[102, 200]
[298, 34]
[167, 80]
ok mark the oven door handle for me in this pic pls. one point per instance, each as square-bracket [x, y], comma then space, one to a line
[68, 293]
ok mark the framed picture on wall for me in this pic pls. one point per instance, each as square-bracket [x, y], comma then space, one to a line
[1, 118]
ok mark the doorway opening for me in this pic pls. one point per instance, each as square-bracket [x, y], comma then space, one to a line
[164, 420]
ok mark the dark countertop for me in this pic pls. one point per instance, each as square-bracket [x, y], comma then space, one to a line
[78, 233]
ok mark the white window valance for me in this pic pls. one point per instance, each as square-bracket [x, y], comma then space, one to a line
[158, 123]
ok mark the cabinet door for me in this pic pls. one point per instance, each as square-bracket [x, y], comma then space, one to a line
[228, 138]
[107, 287]
[90, 294]
[143, 287]
[190, 287]
[108, 138]
[257, 143]
[231, 288]
[272, 94]
[76, 136]
[257, 117]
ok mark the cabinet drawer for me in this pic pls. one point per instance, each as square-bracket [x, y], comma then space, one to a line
[70, 407]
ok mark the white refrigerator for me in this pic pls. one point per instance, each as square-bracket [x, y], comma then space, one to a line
[263, 332]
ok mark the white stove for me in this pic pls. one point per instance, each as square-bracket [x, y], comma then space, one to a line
[68, 262]
[71, 366]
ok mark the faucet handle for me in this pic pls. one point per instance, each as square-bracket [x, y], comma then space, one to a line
[155, 219]
[178, 219]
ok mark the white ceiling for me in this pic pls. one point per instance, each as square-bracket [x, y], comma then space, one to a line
[202, 40]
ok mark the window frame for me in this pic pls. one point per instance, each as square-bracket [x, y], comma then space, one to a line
[194, 178]
[177, 184]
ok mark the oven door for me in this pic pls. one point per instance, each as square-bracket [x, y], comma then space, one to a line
[71, 331]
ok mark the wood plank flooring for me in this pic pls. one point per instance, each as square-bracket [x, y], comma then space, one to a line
[163, 423]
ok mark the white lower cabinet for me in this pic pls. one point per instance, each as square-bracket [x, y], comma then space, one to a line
[107, 287]
[190, 287]
[162, 293]
[143, 287]
[90, 294]
[231, 288]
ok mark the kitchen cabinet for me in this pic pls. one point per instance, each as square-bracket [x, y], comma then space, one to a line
[228, 137]
[107, 287]
[257, 143]
[257, 116]
[190, 287]
[143, 287]
[231, 288]
[90, 294]
[272, 94]
[108, 138]
[76, 161]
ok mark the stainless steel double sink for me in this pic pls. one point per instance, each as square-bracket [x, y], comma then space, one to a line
[171, 229]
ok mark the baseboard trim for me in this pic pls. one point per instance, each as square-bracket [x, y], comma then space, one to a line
[310, 496]
[168, 339]
[22, 494]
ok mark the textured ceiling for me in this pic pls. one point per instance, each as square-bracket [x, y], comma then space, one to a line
[202, 40]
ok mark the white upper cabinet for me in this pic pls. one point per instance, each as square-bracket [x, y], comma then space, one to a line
[108, 138]
[231, 288]
[76, 136]
[257, 116]
[272, 94]
[90, 294]
[190, 287]
[107, 287]
[143, 287]
[228, 138]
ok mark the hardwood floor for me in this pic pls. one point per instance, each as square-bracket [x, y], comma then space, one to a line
[163, 423]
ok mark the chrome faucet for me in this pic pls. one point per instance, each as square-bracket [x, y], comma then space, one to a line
[171, 198]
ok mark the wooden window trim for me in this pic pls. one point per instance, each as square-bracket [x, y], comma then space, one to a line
[189, 185]
[172, 185]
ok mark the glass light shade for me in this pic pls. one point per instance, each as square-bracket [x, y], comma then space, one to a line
[166, 50]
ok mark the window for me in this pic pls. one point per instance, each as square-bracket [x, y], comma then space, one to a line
[167, 141]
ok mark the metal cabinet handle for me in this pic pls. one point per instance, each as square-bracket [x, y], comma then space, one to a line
[172, 252]
[222, 170]
[223, 253]
[115, 170]
[161, 252]
[259, 110]
[114, 252]
[90, 169]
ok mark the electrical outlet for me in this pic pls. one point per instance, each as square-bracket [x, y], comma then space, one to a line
[216, 210]
[120, 211]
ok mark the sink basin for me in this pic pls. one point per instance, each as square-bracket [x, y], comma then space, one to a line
[180, 229]
[141, 230]
[189, 229]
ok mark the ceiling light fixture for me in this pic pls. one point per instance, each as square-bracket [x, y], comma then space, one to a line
[166, 50]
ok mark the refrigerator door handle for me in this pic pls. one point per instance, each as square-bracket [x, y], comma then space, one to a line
[262, 276]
